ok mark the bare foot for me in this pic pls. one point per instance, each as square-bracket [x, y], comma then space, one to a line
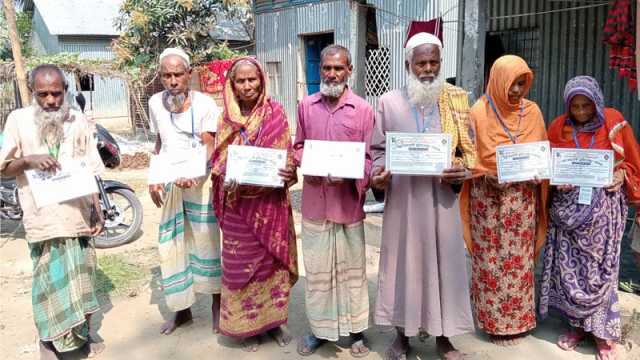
[507, 340]
[250, 344]
[446, 351]
[93, 349]
[47, 351]
[179, 318]
[399, 349]
[215, 312]
[280, 335]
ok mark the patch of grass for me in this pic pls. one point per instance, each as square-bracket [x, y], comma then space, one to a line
[115, 275]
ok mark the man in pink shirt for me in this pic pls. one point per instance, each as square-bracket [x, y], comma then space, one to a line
[337, 301]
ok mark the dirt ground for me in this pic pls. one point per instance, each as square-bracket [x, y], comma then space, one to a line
[129, 323]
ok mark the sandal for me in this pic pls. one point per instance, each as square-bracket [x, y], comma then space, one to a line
[308, 345]
[363, 350]
[629, 286]
[570, 340]
[606, 349]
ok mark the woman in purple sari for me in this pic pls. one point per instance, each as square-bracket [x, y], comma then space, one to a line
[259, 249]
[582, 251]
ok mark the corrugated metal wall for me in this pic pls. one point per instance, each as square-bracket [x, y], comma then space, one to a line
[42, 41]
[110, 98]
[449, 10]
[279, 39]
[571, 44]
[393, 18]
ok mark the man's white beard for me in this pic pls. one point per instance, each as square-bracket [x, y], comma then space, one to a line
[424, 93]
[332, 90]
[51, 124]
[174, 103]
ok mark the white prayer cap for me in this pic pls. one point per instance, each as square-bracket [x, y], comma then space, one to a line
[177, 52]
[422, 38]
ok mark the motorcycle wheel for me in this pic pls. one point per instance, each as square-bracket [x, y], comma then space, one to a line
[124, 224]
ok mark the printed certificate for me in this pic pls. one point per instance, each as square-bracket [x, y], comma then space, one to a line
[340, 159]
[74, 180]
[167, 167]
[523, 162]
[582, 167]
[253, 165]
[417, 153]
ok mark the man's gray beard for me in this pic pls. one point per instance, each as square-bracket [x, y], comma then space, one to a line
[174, 103]
[51, 124]
[332, 90]
[424, 93]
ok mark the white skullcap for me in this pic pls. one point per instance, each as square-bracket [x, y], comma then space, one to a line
[177, 52]
[422, 38]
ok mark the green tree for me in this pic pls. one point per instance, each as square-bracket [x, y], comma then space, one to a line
[23, 22]
[149, 26]
[5, 45]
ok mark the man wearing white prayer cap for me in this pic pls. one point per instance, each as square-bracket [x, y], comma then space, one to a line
[422, 282]
[189, 237]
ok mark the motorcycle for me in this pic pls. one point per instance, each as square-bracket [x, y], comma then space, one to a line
[121, 208]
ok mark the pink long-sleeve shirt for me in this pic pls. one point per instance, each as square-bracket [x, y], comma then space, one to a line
[351, 120]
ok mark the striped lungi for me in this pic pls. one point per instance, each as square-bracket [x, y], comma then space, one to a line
[63, 290]
[336, 295]
[189, 246]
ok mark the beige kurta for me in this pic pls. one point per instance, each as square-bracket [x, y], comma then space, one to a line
[67, 219]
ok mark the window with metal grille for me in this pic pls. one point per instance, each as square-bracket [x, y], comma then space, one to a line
[378, 71]
[275, 77]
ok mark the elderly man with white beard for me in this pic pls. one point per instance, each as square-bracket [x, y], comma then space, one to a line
[332, 239]
[189, 237]
[60, 236]
[422, 282]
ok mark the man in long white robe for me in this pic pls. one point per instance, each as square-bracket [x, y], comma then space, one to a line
[422, 281]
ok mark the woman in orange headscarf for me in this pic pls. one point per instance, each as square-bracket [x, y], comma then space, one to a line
[504, 224]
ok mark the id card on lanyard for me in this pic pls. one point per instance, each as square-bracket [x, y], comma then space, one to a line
[586, 193]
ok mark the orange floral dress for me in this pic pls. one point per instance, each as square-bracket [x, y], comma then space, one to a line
[503, 228]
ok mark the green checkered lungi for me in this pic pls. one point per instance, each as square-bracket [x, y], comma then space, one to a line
[63, 290]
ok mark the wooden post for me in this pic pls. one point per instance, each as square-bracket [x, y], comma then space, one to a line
[16, 49]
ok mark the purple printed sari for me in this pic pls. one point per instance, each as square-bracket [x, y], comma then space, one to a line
[582, 252]
[581, 261]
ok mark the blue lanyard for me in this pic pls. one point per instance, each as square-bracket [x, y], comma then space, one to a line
[514, 139]
[416, 116]
[575, 136]
[193, 127]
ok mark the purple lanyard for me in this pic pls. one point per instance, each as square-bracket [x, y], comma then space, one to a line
[575, 136]
[514, 139]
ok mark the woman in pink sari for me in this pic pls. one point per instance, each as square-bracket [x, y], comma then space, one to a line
[258, 251]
